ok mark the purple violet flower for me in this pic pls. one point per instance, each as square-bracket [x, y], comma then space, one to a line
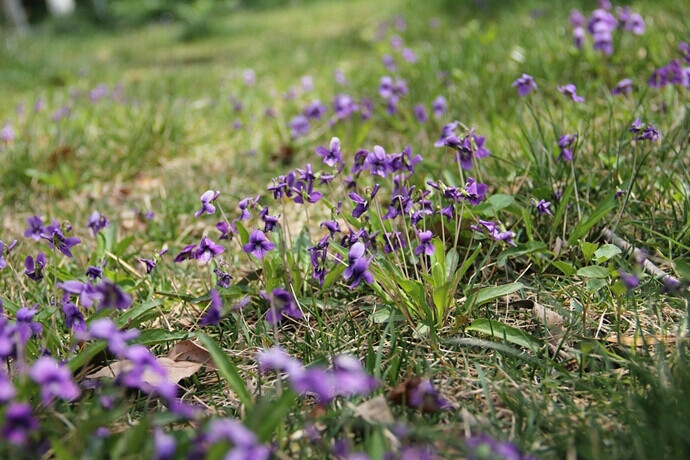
[565, 143]
[377, 162]
[332, 155]
[7, 390]
[542, 207]
[86, 291]
[105, 329]
[624, 86]
[214, 311]
[74, 319]
[54, 379]
[571, 91]
[35, 229]
[299, 126]
[26, 327]
[149, 264]
[315, 110]
[495, 231]
[358, 266]
[97, 222]
[7, 134]
[420, 113]
[525, 84]
[629, 280]
[344, 106]
[222, 278]
[34, 268]
[258, 244]
[53, 234]
[281, 303]
[164, 445]
[644, 132]
[186, 253]
[19, 423]
[474, 191]
[425, 245]
[208, 197]
[439, 106]
[484, 446]
[112, 296]
[208, 250]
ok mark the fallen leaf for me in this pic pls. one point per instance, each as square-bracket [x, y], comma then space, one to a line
[176, 371]
[191, 351]
[375, 410]
[546, 316]
[639, 340]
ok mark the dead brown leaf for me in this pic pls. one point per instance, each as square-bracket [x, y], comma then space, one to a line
[176, 371]
[639, 340]
[375, 410]
[191, 351]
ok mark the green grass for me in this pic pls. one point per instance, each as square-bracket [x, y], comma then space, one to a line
[554, 391]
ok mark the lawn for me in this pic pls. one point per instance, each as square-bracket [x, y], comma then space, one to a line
[347, 229]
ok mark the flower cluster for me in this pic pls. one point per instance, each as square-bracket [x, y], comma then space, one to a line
[346, 378]
[602, 24]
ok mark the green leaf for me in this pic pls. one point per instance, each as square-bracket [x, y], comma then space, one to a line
[269, 413]
[606, 252]
[137, 314]
[439, 252]
[86, 355]
[508, 333]
[563, 204]
[594, 284]
[60, 452]
[386, 315]
[488, 294]
[227, 370]
[122, 245]
[452, 261]
[597, 215]
[593, 271]
[333, 275]
[565, 267]
[438, 275]
[243, 233]
[500, 201]
[682, 268]
[588, 249]
[156, 336]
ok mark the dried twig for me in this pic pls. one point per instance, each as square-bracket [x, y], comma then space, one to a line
[647, 264]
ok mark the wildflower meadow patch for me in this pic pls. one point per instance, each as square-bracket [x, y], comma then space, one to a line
[420, 230]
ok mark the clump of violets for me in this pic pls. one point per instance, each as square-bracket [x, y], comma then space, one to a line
[675, 72]
[281, 303]
[644, 131]
[495, 231]
[602, 24]
[467, 148]
[565, 144]
[299, 126]
[346, 378]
